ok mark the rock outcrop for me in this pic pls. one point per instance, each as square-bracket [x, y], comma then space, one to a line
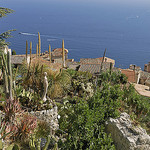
[126, 136]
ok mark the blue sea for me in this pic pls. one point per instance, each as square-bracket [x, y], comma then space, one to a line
[87, 26]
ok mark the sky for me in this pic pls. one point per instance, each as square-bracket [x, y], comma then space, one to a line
[122, 2]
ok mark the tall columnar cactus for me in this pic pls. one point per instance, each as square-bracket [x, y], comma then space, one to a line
[26, 50]
[7, 74]
[30, 52]
[35, 144]
[36, 50]
[39, 43]
[4, 71]
[50, 53]
[63, 54]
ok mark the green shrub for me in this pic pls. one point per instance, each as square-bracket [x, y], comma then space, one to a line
[84, 121]
[13, 52]
[114, 78]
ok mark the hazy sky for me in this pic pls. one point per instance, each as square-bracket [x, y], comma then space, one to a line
[127, 2]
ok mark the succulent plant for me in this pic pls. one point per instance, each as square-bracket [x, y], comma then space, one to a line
[7, 74]
[26, 50]
[63, 54]
[35, 144]
[36, 50]
[50, 53]
[39, 43]
[30, 52]
[25, 126]
[11, 108]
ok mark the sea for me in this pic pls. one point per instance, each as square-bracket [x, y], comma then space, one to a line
[87, 27]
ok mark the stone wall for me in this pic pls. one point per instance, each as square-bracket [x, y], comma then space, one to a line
[126, 136]
[50, 116]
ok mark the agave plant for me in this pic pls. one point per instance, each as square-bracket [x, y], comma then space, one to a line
[26, 125]
[2, 130]
[12, 107]
[59, 83]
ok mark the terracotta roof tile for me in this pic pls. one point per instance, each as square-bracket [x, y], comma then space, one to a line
[90, 61]
[93, 68]
[130, 74]
[96, 60]
[58, 52]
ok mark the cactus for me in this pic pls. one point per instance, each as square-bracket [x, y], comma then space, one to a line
[7, 74]
[63, 54]
[26, 50]
[50, 54]
[39, 43]
[14, 82]
[36, 50]
[55, 146]
[35, 144]
[29, 66]
[4, 71]
[30, 52]
[38, 144]
[47, 143]
[32, 143]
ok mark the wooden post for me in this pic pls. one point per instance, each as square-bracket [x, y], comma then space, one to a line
[101, 67]
[111, 65]
[102, 61]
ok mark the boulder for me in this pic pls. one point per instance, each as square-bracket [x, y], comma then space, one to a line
[125, 135]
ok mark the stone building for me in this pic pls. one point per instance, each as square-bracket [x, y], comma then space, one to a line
[147, 67]
[57, 55]
[130, 74]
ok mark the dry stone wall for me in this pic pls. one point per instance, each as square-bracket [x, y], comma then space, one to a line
[50, 116]
[126, 136]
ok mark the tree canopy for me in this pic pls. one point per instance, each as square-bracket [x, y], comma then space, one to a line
[5, 35]
[4, 11]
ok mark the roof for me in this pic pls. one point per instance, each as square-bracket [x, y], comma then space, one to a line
[130, 74]
[144, 75]
[106, 59]
[58, 52]
[96, 60]
[90, 61]
[93, 68]
[73, 65]
[52, 66]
